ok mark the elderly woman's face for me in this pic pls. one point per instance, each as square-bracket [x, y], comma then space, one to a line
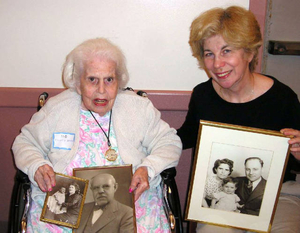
[99, 85]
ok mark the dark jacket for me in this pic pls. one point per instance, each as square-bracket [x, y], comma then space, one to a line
[115, 218]
[252, 202]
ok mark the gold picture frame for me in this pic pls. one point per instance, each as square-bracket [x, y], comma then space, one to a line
[218, 141]
[63, 209]
[122, 175]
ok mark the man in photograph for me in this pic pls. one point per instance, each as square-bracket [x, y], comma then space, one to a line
[105, 214]
[251, 187]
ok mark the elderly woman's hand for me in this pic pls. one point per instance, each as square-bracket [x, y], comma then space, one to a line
[45, 178]
[294, 141]
[139, 182]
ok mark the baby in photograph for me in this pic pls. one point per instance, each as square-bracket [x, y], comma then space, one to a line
[55, 201]
[227, 199]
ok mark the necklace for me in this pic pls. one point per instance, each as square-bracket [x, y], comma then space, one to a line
[110, 154]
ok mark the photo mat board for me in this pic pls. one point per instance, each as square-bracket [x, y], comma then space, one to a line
[55, 209]
[123, 177]
[237, 143]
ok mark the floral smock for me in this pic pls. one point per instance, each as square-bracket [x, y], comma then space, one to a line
[150, 215]
[213, 185]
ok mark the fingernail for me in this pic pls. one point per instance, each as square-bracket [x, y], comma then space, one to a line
[50, 189]
[130, 190]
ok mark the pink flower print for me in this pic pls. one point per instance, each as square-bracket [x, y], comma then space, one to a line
[72, 165]
[88, 161]
[139, 212]
[141, 229]
[81, 153]
[90, 121]
[155, 212]
[95, 130]
[154, 201]
[158, 230]
[84, 136]
[82, 118]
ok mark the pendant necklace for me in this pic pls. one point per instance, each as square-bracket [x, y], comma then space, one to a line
[110, 154]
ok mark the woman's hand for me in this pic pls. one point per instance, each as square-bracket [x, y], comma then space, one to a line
[139, 182]
[294, 141]
[45, 178]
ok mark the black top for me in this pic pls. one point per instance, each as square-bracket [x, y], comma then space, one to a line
[276, 109]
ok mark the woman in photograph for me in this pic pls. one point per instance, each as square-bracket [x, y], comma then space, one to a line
[221, 170]
[95, 122]
[226, 43]
[72, 205]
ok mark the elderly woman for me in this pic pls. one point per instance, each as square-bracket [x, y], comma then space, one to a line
[225, 43]
[95, 123]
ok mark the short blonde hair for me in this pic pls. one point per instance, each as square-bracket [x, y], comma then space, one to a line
[236, 25]
[99, 47]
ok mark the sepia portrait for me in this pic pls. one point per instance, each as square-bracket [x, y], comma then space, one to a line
[63, 205]
[108, 207]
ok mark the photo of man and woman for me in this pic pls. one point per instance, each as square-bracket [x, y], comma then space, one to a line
[236, 182]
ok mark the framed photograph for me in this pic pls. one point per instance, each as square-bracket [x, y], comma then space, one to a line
[108, 203]
[237, 176]
[63, 205]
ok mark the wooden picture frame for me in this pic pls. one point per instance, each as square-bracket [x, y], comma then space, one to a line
[218, 141]
[63, 209]
[122, 176]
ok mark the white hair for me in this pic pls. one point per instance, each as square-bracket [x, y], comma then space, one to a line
[100, 48]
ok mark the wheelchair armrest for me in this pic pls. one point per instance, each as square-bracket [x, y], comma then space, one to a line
[173, 201]
[168, 174]
[22, 177]
[19, 202]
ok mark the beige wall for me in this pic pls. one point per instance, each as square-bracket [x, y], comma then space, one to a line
[37, 35]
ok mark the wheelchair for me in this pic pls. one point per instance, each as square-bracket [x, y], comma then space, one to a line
[20, 201]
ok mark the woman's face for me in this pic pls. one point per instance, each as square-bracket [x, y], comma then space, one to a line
[227, 66]
[223, 171]
[98, 85]
[72, 189]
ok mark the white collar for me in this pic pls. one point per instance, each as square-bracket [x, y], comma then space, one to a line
[255, 183]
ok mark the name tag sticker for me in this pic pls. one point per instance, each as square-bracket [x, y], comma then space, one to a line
[63, 141]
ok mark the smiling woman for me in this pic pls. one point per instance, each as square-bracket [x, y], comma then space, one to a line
[225, 43]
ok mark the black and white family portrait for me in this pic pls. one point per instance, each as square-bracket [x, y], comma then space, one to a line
[237, 175]
[237, 179]
[64, 203]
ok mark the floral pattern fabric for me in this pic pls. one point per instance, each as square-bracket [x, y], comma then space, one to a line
[213, 185]
[150, 216]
